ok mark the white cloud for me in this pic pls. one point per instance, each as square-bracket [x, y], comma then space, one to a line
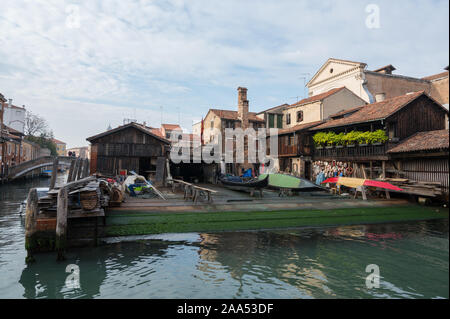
[193, 54]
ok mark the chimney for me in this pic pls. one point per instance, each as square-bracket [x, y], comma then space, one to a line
[243, 107]
[380, 97]
[10, 102]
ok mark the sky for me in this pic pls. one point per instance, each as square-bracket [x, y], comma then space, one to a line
[85, 65]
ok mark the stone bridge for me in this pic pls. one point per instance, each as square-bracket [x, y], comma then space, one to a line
[26, 167]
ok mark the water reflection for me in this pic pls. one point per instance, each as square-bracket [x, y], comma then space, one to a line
[307, 263]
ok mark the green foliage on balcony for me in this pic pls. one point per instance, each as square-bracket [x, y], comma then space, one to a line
[351, 138]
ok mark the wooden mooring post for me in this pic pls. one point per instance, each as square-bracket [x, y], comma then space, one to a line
[85, 168]
[80, 169]
[71, 170]
[54, 173]
[30, 224]
[61, 223]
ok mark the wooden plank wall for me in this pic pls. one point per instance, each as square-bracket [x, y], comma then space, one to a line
[428, 170]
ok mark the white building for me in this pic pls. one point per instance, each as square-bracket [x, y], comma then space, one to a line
[14, 116]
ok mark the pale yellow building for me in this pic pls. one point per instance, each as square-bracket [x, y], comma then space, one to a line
[60, 147]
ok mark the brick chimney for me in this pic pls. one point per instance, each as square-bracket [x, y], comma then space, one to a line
[243, 107]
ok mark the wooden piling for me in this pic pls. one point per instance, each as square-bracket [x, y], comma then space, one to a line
[54, 173]
[80, 169]
[86, 168]
[71, 170]
[30, 224]
[75, 170]
[61, 223]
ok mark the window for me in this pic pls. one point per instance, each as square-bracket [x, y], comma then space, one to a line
[280, 121]
[288, 118]
[299, 116]
[212, 123]
[291, 140]
[271, 120]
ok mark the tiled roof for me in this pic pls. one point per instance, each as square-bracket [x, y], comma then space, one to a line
[57, 141]
[373, 112]
[142, 128]
[299, 127]
[233, 115]
[278, 108]
[422, 141]
[389, 67]
[156, 131]
[344, 112]
[171, 126]
[11, 130]
[317, 97]
[436, 76]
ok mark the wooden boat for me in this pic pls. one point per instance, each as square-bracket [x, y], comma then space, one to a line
[237, 183]
[46, 173]
[284, 181]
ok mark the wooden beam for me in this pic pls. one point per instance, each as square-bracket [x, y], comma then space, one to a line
[80, 169]
[61, 223]
[85, 168]
[383, 168]
[75, 171]
[71, 170]
[30, 224]
[54, 173]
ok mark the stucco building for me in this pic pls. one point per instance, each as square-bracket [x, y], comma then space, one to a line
[60, 147]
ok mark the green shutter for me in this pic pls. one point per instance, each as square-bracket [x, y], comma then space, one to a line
[271, 121]
[279, 121]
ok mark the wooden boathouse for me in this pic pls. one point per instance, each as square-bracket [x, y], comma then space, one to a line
[416, 146]
[130, 147]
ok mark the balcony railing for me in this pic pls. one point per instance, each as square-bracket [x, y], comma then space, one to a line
[294, 150]
[348, 152]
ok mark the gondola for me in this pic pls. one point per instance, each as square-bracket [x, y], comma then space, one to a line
[294, 183]
[240, 184]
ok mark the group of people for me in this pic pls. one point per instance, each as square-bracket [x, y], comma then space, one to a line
[323, 170]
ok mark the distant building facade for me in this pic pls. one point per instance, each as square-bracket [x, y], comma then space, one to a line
[14, 116]
[82, 152]
[60, 147]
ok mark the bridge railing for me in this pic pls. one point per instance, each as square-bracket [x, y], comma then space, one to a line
[25, 167]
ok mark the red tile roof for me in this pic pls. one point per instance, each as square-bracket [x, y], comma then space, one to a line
[422, 141]
[156, 131]
[299, 127]
[171, 126]
[317, 97]
[344, 112]
[57, 141]
[277, 109]
[387, 67]
[436, 76]
[233, 115]
[142, 128]
[374, 111]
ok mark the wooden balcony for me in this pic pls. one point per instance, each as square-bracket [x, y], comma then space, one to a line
[357, 152]
[293, 150]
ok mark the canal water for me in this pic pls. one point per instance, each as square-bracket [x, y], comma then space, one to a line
[412, 260]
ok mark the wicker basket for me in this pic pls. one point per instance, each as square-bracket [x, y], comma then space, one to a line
[89, 200]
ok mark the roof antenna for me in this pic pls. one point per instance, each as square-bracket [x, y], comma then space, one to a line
[161, 114]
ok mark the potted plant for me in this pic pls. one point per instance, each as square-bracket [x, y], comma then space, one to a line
[330, 139]
[379, 137]
[351, 138]
[363, 138]
[339, 140]
[319, 140]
